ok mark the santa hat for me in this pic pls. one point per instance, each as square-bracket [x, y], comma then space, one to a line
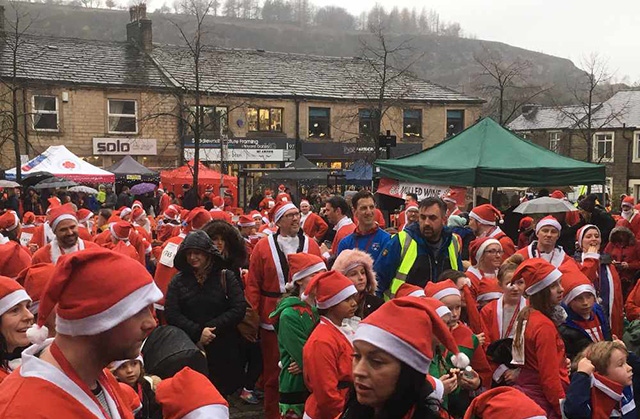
[125, 213]
[245, 221]
[628, 200]
[120, 230]
[304, 201]
[61, 213]
[255, 215]
[28, 218]
[93, 291]
[583, 230]
[409, 290]
[190, 395]
[452, 196]
[486, 214]
[412, 207]
[284, 197]
[84, 215]
[557, 194]
[525, 223]
[549, 220]
[301, 265]
[488, 290]
[34, 278]
[279, 209]
[329, 289]
[217, 202]
[9, 221]
[439, 290]
[138, 213]
[117, 364]
[54, 202]
[438, 306]
[575, 283]
[136, 204]
[172, 212]
[130, 398]
[197, 218]
[404, 327]
[504, 402]
[11, 293]
[537, 273]
[281, 188]
[267, 192]
[478, 246]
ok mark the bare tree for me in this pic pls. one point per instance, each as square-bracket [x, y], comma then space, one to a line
[506, 84]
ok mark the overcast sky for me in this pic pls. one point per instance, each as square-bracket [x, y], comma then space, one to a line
[565, 28]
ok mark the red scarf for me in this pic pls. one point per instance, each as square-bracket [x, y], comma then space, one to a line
[605, 396]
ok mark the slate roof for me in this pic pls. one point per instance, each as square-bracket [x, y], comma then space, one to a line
[549, 118]
[76, 61]
[256, 73]
[622, 109]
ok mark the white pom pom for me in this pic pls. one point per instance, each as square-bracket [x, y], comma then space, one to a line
[460, 361]
[37, 334]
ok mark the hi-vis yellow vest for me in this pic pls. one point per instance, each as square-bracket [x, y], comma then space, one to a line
[409, 254]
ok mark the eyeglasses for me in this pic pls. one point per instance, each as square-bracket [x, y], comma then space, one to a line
[292, 215]
[494, 252]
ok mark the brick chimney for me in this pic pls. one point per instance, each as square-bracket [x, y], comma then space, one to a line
[139, 28]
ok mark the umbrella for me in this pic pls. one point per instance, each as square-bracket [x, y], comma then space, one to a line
[33, 178]
[142, 188]
[55, 182]
[85, 189]
[9, 184]
[544, 205]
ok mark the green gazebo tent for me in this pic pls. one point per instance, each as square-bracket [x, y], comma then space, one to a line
[485, 155]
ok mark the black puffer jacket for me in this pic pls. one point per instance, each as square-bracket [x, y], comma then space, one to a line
[192, 307]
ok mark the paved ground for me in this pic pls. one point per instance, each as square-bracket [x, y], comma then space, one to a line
[240, 409]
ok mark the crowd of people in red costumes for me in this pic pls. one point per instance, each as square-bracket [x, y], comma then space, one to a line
[316, 309]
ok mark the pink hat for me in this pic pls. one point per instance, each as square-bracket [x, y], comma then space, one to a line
[11, 293]
[246, 221]
[486, 214]
[411, 339]
[93, 291]
[549, 220]
[478, 246]
[190, 395]
[279, 209]
[301, 265]
[329, 289]
[537, 273]
[439, 290]
[575, 283]
[9, 221]
[60, 213]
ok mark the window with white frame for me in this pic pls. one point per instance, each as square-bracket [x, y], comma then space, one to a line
[45, 113]
[123, 116]
[603, 147]
[554, 142]
[636, 147]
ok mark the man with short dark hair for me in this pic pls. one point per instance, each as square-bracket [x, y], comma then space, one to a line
[419, 253]
[368, 236]
[409, 199]
[337, 213]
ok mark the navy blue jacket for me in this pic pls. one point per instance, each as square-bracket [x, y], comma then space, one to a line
[575, 337]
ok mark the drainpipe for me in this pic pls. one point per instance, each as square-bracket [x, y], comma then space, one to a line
[298, 143]
[629, 158]
[25, 121]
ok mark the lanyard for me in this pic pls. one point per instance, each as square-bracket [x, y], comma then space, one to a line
[67, 368]
[513, 319]
[368, 245]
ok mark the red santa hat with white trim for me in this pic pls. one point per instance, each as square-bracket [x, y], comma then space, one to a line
[172, 212]
[61, 213]
[255, 215]
[504, 402]
[628, 201]
[301, 265]
[478, 246]
[452, 196]
[93, 291]
[138, 214]
[279, 209]
[83, 215]
[488, 290]
[217, 202]
[11, 293]
[409, 339]
[439, 290]
[136, 204]
[121, 230]
[486, 214]
[34, 278]
[9, 221]
[537, 273]
[549, 220]
[575, 283]
[246, 221]
[190, 395]
[329, 289]
[413, 206]
[197, 218]
[409, 290]
[583, 230]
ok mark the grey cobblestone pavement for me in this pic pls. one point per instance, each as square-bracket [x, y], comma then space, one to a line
[239, 409]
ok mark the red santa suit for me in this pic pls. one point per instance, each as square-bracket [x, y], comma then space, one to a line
[139, 243]
[560, 259]
[634, 221]
[313, 225]
[42, 235]
[52, 252]
[488, 215]
[327, 370]
[164, 202]
[267, 203]
[13, 258]
[84, 233]
[268, 273]
[344, 227]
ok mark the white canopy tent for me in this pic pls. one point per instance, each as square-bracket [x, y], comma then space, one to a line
[59, 161]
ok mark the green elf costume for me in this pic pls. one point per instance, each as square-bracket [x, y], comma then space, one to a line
[294, 320]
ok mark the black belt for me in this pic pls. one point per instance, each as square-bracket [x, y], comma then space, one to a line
[297, 397]
[271, 294]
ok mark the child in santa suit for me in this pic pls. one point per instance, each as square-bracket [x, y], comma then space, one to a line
[537, 346]
[470, 313]
[586, 322]
[499, 316]
[130, 372]
[604, 384]
[327, 354]
[448, 294]
[294, 320]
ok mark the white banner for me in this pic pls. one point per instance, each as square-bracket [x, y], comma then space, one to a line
[242, 155]
[124, 146]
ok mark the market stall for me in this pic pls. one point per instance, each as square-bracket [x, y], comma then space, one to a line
[172, 180]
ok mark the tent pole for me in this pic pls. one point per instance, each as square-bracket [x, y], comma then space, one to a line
[474, 197]
[491, 195]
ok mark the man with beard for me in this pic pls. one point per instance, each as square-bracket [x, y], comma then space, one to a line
[64, 224]
[103, 303]
[419, 253]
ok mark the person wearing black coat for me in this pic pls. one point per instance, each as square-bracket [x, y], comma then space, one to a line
[208, 308]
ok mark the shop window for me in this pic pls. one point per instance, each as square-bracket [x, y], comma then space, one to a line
[366, 122]
[319, 123]
[215, 121]
[123, 116]
[45, 113]
[412, 123]
[455, 122]
[264, 119]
